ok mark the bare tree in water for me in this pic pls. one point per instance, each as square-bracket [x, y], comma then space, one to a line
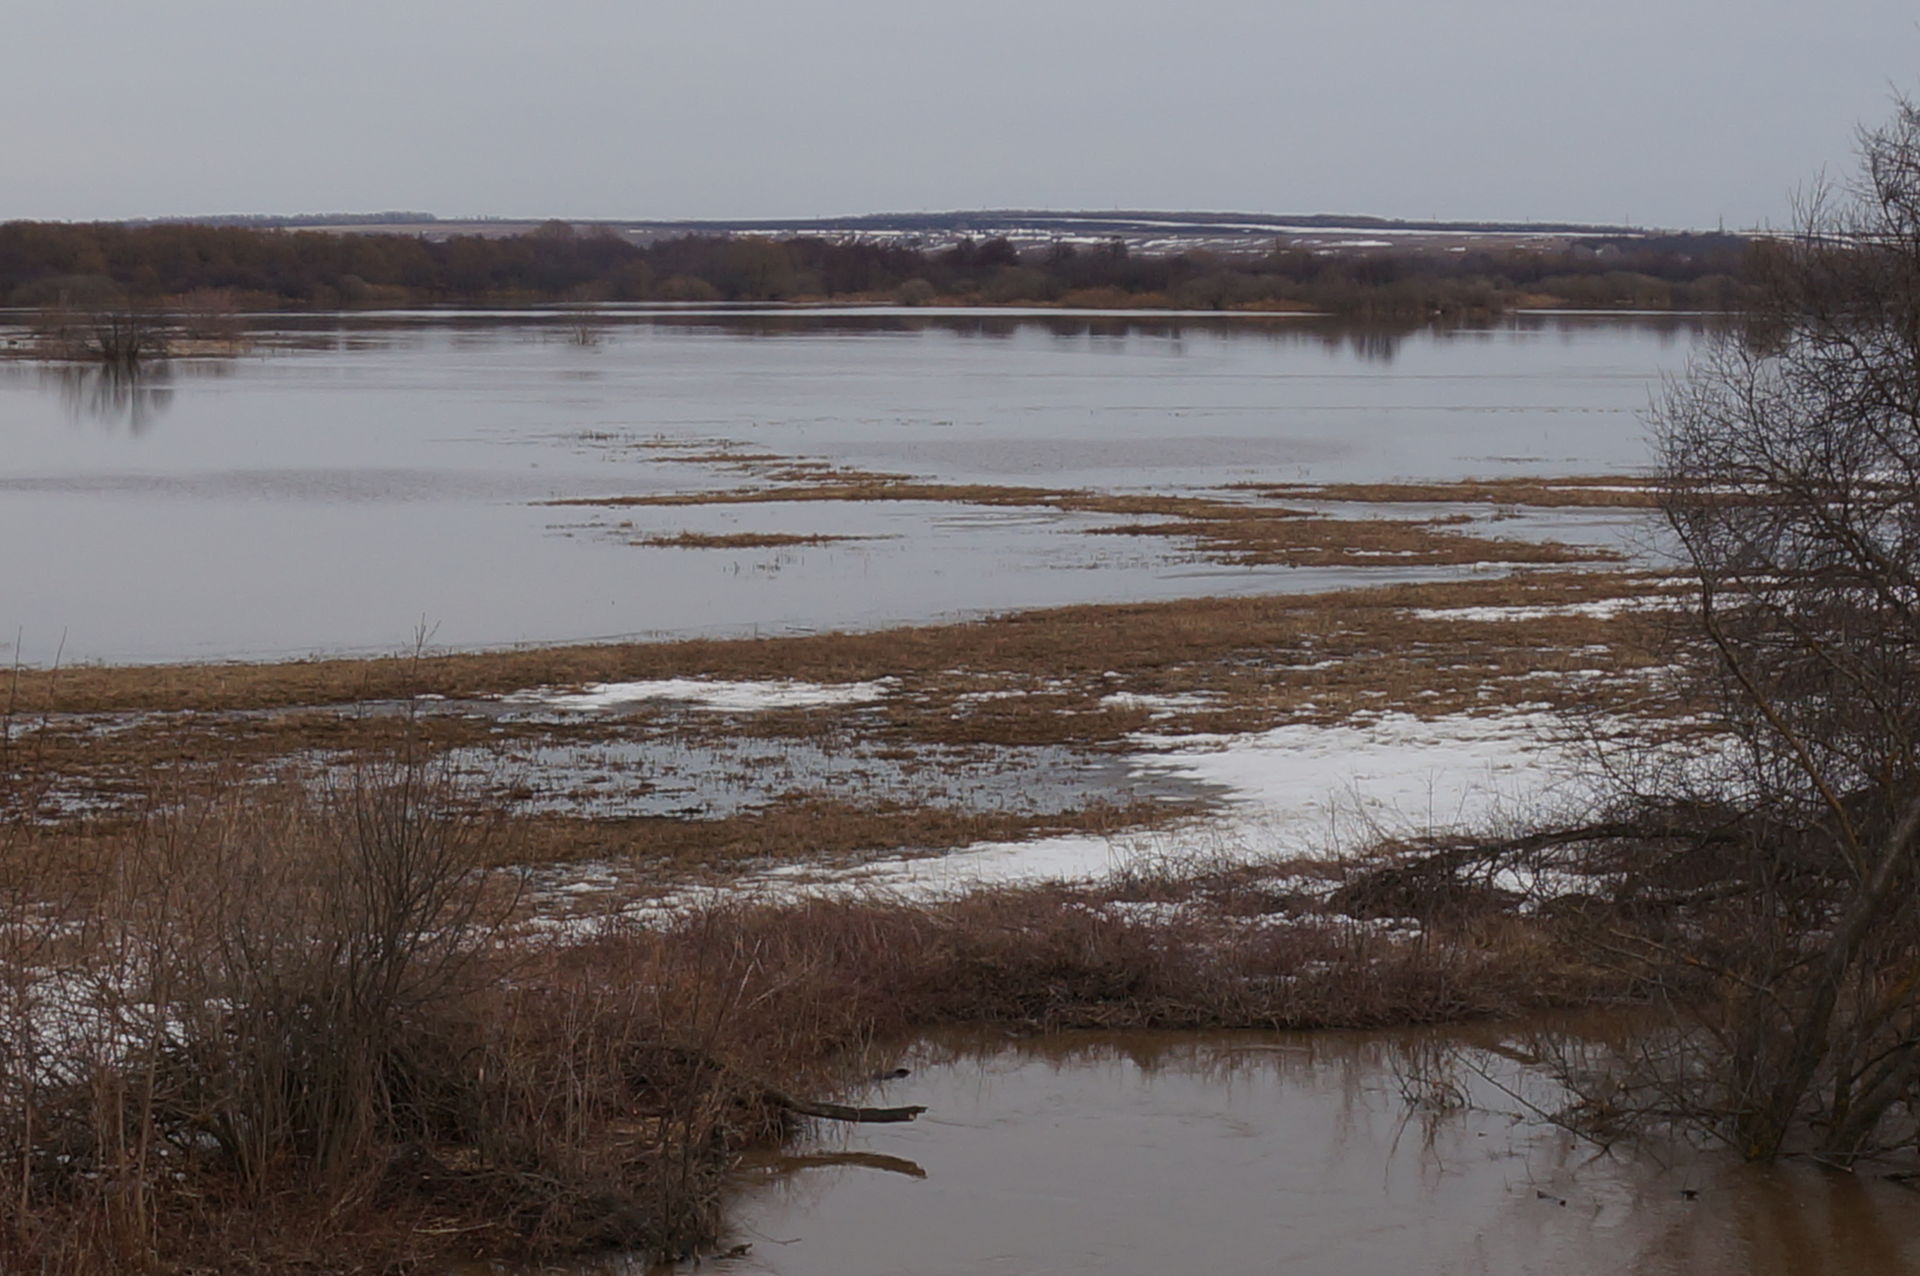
[121, 336]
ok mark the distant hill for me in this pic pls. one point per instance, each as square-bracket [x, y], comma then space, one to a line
[1142, 230]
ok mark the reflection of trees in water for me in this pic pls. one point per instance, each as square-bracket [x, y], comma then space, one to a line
[1373, 343]
[113, 395]
[1369, 340]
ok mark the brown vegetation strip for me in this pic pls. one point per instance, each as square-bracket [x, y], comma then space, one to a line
[1035, 680]
[803, 482]
[1235, 530]
[862, 488]
[1141, 638]
[1624, 491]
[1292, 541]
[744, 540]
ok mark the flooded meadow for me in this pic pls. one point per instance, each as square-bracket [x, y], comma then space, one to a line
[715, 610]
[357, 477]
[917, 499]
[922, 599]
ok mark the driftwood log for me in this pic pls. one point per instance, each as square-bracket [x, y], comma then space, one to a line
[700, 1062]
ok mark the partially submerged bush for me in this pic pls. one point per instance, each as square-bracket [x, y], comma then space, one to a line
[120, 336]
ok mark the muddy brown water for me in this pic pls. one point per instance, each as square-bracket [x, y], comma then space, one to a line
[1340, 1153]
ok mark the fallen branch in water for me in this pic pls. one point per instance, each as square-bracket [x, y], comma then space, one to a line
[840, 1111]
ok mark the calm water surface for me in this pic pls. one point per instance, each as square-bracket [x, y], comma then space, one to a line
[364, 475]
[1299, 1154]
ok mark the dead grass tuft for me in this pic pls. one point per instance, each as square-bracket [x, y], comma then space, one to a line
[1601, 492]
[744, 540]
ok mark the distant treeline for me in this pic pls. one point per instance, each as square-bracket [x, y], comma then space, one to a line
[46, 263]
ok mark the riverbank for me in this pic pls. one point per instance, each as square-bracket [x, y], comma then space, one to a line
[490, 1093]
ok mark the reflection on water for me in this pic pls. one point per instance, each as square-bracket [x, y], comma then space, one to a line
[1347, 1153]
[115, 395]
[1373, 341]
[356, 472]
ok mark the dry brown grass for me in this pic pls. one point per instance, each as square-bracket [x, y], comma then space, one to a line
[1045, 642]
[1036, 680]
[1602, 492]
[1237, 531]
[283, 1032]
[307, 1045]
[1056, 957]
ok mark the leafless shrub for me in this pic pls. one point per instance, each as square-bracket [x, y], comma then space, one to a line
[1765, 892]
[119, 336]
[915, 292]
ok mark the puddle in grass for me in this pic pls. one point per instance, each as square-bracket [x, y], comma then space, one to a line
[1306, 1153]
[713, 778]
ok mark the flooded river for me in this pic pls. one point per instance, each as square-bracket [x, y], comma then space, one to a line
[358, 477]
[1351, 1154]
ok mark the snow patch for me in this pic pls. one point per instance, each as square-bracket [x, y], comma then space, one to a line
[1602, 609]
[1161, 706]
[712, 696]
[1298, 790]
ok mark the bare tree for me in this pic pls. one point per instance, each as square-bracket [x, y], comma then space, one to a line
[1791, 459]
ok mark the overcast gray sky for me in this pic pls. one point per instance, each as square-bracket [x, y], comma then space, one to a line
[1665, 112]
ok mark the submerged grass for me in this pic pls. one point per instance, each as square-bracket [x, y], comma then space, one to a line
[744, 540]
[815, 829]
[1237, 530]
